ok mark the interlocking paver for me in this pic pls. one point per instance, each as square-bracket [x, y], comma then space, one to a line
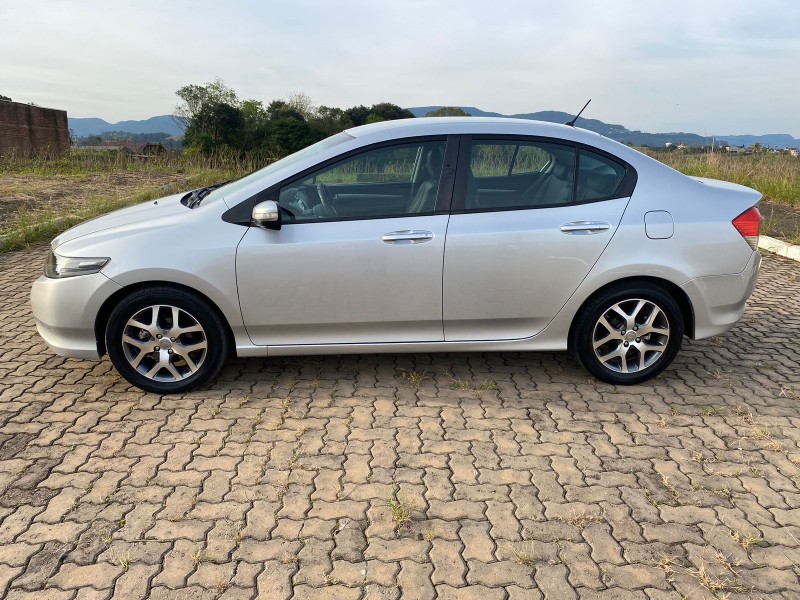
[530, 481]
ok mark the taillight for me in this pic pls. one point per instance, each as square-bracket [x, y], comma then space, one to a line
[747, 224]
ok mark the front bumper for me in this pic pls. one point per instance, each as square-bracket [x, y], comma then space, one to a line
[65, 311]
[718, 301]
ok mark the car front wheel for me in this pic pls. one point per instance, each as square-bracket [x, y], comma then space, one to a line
[166, 340]
[628, 334]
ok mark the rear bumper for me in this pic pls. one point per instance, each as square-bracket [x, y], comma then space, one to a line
[65, 311]
[718, 301]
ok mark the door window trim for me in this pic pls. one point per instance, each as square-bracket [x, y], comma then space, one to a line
[624, 189]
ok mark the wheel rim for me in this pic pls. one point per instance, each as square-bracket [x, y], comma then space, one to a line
[631, 336]
[164, 343]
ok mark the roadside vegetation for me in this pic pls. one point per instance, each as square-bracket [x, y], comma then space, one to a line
[777, 176]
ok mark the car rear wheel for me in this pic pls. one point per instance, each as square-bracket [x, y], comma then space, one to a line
[165, 340]
[628, 334]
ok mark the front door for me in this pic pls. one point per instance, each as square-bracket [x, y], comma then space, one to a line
[359, 257]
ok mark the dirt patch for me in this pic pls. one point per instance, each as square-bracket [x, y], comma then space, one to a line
[60, 194]
[780, 221]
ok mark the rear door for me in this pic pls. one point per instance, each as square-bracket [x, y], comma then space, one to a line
[516, 252]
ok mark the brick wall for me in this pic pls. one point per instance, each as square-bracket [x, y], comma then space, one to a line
[32, 129]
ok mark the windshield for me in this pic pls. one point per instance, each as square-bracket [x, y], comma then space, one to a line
[279, 164]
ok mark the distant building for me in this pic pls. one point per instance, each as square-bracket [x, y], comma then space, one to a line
[135, 148]
[28, 129]
[737, 150]
[793, 152]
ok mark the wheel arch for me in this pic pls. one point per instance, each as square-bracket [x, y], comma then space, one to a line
[101, 321]
[680, 297]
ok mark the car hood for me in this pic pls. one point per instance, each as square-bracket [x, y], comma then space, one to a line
[147, 214]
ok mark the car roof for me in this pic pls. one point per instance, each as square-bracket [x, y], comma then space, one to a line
[463, 125]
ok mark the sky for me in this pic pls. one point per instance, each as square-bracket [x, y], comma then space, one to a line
[701, 66]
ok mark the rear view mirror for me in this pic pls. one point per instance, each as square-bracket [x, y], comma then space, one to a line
[267, 215]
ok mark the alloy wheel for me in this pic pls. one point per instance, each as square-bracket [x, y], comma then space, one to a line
[631, 336]
[164, 343]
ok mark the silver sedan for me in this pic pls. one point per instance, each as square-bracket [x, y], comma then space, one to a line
[420, 235]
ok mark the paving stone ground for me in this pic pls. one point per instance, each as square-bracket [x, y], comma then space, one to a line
[485, 476]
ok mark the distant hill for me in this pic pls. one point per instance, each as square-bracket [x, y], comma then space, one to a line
[626, 136]
[167, 124]
[90, 126]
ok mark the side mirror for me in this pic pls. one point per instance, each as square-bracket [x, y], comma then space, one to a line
[267, 215]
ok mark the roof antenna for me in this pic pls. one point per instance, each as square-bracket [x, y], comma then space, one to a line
[572, 122]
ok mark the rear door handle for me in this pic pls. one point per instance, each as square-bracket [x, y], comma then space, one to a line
[584, 227]
[407, 236]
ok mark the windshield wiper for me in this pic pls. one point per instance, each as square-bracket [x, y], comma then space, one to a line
[195, 197]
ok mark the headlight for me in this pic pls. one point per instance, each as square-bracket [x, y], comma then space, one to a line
[58, 267]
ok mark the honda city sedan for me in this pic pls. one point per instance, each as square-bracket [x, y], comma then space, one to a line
[419, 235]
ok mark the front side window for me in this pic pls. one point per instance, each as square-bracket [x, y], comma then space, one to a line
[516, 175]
[391, 181]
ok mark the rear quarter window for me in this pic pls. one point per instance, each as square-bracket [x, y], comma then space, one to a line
[598, 176]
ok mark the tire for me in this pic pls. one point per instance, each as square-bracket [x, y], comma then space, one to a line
[614, 348]
[170, 364]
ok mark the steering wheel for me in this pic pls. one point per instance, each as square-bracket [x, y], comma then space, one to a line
[326, 198]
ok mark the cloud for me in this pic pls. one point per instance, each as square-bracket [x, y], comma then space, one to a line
[710, 67]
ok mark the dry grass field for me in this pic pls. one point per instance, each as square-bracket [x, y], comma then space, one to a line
[39, 197]
[777, 176]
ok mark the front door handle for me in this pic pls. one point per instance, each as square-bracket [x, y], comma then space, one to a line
[407, 236]
[584, 227]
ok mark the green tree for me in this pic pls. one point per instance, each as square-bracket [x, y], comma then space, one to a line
[216, 126]
[383, 111]
[389, 112]
[330, 120]
[286, 136]
[448, 111]
[6, 98]
[195, 97]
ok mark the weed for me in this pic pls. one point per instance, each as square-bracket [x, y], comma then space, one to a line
[651, 499]
[725, 492]
[581, 520]
[414, 378]
[460, 384]
[671, 488]
[745, 540]
[761, 433]
[401, 509]
[124, 561]
[198, 556]
[221, 586]
[524, 555]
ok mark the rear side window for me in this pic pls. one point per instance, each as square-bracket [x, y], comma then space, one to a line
[518, 175]
[598, 176]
